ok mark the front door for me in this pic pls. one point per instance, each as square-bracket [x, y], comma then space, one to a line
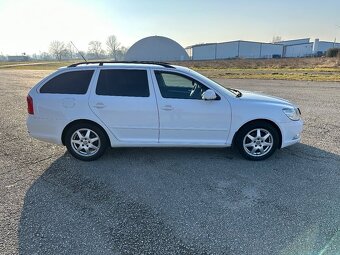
[185, 118]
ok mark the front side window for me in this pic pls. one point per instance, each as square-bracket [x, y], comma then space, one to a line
[128, 83]
[75, 82]
[173, 85]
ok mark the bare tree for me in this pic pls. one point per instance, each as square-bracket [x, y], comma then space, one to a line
[95, 48]
[70, 50]
[2, 57]
[45, 56]
[121, 53]
[276, 39]
[112, 46]
[57, 49]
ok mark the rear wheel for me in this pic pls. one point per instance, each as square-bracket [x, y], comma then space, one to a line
[257, 141]
[86, 141]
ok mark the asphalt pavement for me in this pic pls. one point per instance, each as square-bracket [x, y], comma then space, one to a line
[172, 200]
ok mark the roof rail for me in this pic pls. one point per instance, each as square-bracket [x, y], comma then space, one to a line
[101, 63]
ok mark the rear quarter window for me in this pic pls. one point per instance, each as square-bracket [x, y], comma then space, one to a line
[129, 83]
[74, 82]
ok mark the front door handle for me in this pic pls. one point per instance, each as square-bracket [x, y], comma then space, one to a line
[167, 108]
[99, 105]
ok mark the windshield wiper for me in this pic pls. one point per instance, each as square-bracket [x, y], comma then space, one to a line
[236, 91]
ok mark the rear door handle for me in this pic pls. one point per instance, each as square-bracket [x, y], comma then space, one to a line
[167, 108]
[99, 105]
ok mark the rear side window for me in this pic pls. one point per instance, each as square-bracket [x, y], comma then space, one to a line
[75, 82]
[129, 83]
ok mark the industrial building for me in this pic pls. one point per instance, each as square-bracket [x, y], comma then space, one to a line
[248, 49]
[18, 58]
[321, 47]
[156, 48]
[159, 48]
[234, 49]
[297, 48]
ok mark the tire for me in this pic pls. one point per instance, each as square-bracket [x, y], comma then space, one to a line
[257, 141]
[86, 141]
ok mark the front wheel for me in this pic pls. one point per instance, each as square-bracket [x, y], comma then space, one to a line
[257, 141]
[85, 141]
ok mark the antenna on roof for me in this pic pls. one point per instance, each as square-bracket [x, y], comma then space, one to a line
[79, 52]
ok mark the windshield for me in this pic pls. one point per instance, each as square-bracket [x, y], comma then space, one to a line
[235, 92]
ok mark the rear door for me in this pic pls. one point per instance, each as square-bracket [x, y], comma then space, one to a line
[60, 98]
[124, 100]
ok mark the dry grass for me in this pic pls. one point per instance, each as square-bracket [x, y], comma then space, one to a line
[289, 63]
[51, 65]
[306, 69]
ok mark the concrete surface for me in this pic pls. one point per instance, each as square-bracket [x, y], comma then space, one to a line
[172, 201]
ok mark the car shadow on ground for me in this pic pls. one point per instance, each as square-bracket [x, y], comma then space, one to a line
[183, 201]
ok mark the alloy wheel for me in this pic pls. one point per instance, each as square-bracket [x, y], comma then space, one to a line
[258, 142]
[85, 142]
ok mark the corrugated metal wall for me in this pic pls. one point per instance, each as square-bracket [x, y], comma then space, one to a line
[300, 50]
[324, 46]
[227, 50]
[249, 50]
[268, 50]
[204, 52]
[235, 49]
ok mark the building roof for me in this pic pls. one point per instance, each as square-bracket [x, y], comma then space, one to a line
[156, 48]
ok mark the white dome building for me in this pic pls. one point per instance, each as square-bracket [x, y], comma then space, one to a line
[156, 48]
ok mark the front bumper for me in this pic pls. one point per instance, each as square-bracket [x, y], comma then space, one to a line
[291, 132]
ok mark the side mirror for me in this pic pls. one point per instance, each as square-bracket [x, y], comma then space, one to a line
[209, 94]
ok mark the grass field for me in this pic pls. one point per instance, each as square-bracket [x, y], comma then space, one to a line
[51, 65]
[305, 69]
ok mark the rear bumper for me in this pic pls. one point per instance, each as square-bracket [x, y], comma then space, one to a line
[291, 132]
[44, 130]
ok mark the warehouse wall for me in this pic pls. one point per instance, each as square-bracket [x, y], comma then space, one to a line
[227, 50]
[242, 49]
[299, 50]
[249, 49]
[246, 49]
[204, 52]
[324, 46]
[268, 50]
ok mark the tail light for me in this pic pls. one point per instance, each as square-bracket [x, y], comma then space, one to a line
[30, 108]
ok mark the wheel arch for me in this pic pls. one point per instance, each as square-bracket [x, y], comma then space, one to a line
[263, 121]
[82, 121]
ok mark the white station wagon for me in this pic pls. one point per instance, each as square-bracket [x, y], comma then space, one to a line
[92, 105]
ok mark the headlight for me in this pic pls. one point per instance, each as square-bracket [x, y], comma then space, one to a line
[292, 113]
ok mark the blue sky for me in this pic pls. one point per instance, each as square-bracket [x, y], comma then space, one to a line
[30, 25]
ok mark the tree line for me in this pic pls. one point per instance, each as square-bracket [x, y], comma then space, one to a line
[112, 49]
[59, 50]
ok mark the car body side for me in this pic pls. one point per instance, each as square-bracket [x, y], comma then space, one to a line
[54, 113]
